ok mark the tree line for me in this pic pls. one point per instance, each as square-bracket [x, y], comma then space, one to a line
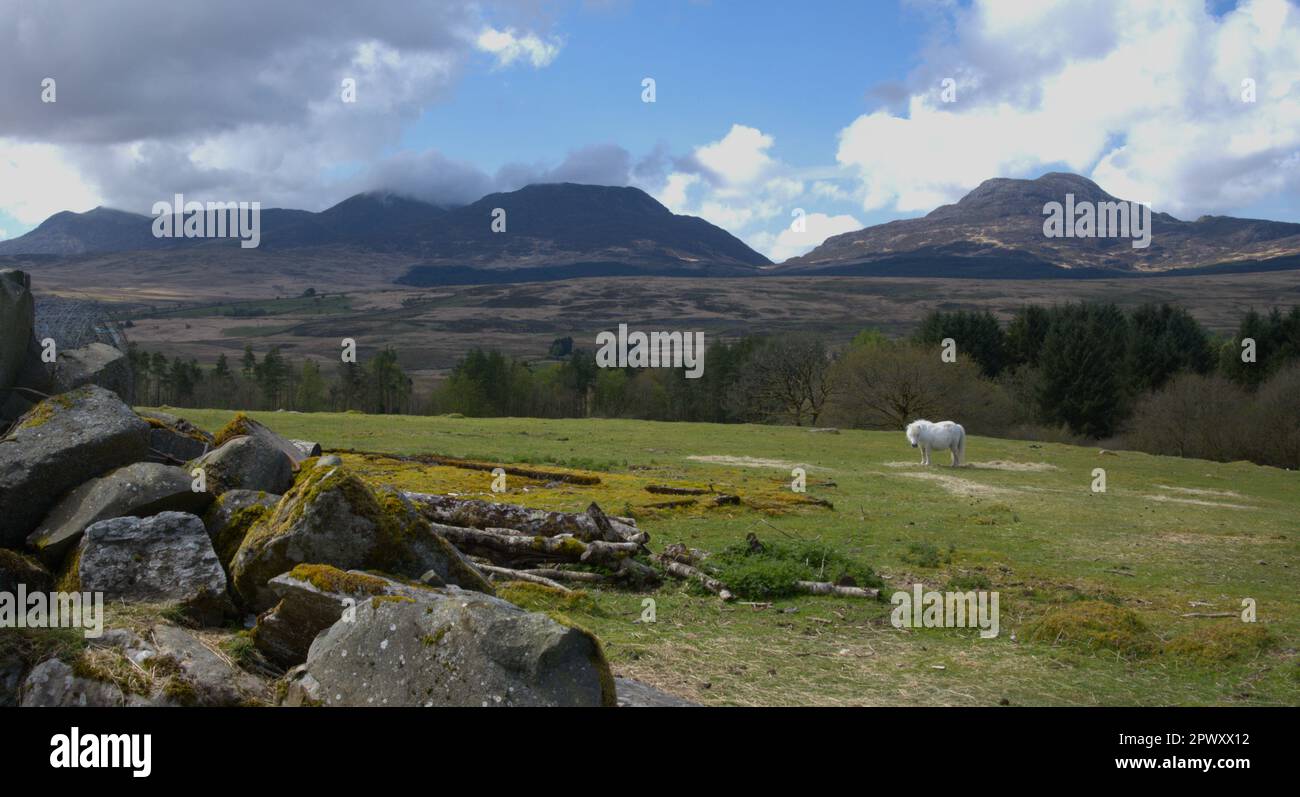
[1151, 377]
[272, 382]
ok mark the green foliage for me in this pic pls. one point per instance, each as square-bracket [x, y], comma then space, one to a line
[976, 333]
[923, 554]
[771, 572]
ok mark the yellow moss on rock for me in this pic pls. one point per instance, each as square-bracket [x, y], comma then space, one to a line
[331, 579]
[238, 426]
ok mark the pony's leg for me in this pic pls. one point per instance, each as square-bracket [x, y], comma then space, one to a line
[954, 455]
[925, 453]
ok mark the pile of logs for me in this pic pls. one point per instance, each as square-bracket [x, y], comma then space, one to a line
[558, 548]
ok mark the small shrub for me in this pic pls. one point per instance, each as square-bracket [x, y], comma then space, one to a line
[771, 572]
[1095, 625]
[1222, 642]
[923, 554]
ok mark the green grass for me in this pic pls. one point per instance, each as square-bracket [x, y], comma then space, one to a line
[1170, 537]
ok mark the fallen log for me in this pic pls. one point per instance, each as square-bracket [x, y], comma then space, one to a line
[473, 513]
[521, 575]
[576, 576]
[469, 464]
[661, 489]
[686, 572]
[827, 588]
[512, 550]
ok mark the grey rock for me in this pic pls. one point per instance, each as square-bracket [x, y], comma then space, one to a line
[95, 364]
[59, 444]
[461, 649]
[164, 558]
[227, 523]
[17, 314]
[174, 439]
[214, 682]
[140, 489]
[247, 463]
[313, 598]
[12, 669]
[332, 517]
[329, 461]
[634, 694]
[52, 683]
[16, 568]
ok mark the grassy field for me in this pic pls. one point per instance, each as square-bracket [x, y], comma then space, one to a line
[1168, 538]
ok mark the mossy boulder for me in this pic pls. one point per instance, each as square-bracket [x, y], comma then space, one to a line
[16, 568]
[455, 648]
[333, 517]
[232, 515]
[174, 439]
[312, 598]
[57, 445]
[139, 489]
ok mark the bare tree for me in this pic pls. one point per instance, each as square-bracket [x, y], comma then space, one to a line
[786, 379]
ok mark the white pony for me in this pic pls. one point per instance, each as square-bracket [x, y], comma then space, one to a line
[945, 434]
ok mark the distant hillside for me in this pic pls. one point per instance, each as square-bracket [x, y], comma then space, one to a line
[546, 226]
[997, 230]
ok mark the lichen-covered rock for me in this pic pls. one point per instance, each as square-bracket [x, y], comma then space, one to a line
[174, 439]
[17, 313]
[166, 558]
[53, 683]
[312, 598]
[246, 463]
[333, 517]
[458, 649]
[140, 489]
[15, 569]
[95, 364]
[232, 515]
[57, 445]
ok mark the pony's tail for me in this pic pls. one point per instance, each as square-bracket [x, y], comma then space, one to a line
[961, 447]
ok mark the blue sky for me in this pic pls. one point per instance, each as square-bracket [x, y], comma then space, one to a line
[764, 108]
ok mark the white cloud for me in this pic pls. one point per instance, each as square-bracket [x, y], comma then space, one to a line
[37, 182]
[817, 228]
[508, 47]
[740, 157]
[1145, 96]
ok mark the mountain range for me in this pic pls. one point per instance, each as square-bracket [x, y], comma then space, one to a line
[563, 230]
[997, 230]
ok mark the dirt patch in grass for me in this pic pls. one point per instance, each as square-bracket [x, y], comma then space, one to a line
[1165, 499]
[1022, 467]
[959, 486]
[1200, 491]
[746, 462]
